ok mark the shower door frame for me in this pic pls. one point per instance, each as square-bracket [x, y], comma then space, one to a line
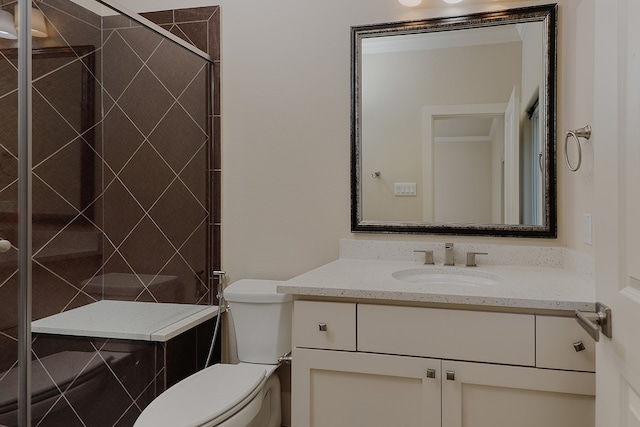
[24, 212]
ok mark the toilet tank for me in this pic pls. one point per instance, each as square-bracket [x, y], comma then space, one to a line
[262, 320]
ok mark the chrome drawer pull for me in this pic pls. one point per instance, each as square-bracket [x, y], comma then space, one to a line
[431, 373]
[322, 327]
[451, 375]
[578, 346]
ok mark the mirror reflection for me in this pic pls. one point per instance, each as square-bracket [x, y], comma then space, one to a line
[453, 125]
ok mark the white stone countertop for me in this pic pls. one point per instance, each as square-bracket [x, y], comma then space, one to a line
[142, 321]
[518, 287]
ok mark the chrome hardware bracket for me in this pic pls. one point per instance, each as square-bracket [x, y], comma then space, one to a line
[286, 358]
[220, 275]
[597, 322]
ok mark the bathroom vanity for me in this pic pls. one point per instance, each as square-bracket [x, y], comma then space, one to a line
[382, 342]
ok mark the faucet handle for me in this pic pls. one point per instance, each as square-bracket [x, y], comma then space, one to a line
[428, 256]
[471, 258]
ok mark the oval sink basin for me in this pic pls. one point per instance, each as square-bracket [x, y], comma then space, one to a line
[437, 276]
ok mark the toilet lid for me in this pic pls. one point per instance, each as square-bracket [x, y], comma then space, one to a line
[203, 396]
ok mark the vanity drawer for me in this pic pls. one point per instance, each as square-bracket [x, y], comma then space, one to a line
[555, 338]
[325, 325]
[449, 334]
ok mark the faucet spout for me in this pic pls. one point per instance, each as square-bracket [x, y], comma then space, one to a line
[448, 254]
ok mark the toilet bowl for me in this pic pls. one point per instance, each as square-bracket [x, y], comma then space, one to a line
[248, 393]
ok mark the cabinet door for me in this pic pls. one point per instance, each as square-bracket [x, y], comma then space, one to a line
[347, 389]
[484, 395]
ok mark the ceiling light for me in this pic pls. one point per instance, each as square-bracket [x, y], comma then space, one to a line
[38, 24]
[410, 3]
[7, 30]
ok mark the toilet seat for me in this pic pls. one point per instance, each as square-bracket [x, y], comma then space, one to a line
[215, 393]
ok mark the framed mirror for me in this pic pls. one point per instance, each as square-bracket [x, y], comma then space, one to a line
[454, 125]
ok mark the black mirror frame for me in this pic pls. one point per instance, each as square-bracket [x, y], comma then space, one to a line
[546, 13]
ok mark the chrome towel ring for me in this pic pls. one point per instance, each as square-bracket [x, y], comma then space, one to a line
[576, 134]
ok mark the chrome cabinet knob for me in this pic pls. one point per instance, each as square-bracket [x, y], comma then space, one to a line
[431, 373]
[322, 327]
[578, 346]
[451, 375]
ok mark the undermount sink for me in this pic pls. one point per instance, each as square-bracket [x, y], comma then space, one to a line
[447, 276]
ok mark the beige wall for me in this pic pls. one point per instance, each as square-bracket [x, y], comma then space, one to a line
[392, 132]
[285, 130]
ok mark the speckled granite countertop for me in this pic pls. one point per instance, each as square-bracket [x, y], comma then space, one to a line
[532, 286]
[142, 321]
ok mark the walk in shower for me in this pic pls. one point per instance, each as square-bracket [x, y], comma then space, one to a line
[106, 192]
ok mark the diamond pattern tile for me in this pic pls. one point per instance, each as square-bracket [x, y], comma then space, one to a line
[121, 65]
[194, 175]
[135, 248]
[178, 213]
[177, 73]
[177, 138]
[142, 41]
[124, 139]
[195, 33]
[148, 186]
[67, 29]
[121, 212]
[120, 185]
[8, 74]
[195, 101]
[146, 101]
[50, 130]
[65, 90]
[77, 189]
[48, 206]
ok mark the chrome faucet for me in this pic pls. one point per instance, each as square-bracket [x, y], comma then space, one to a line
[471, 258]
[448, 254]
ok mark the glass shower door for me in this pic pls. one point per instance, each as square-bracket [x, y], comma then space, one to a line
[118, 182]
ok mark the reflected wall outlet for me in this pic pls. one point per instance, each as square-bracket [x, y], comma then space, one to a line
[587, 229]
[405, 189]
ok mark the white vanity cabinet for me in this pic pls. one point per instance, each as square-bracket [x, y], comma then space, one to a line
[357, 364]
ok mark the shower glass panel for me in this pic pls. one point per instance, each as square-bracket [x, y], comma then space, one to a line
[121, 205]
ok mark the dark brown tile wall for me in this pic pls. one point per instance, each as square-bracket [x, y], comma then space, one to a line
[201, 27]
[124, 182]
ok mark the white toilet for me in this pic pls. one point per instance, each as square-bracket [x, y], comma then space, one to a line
[246, 394]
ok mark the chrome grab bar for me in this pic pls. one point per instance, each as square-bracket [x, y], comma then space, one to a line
[597, 322]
